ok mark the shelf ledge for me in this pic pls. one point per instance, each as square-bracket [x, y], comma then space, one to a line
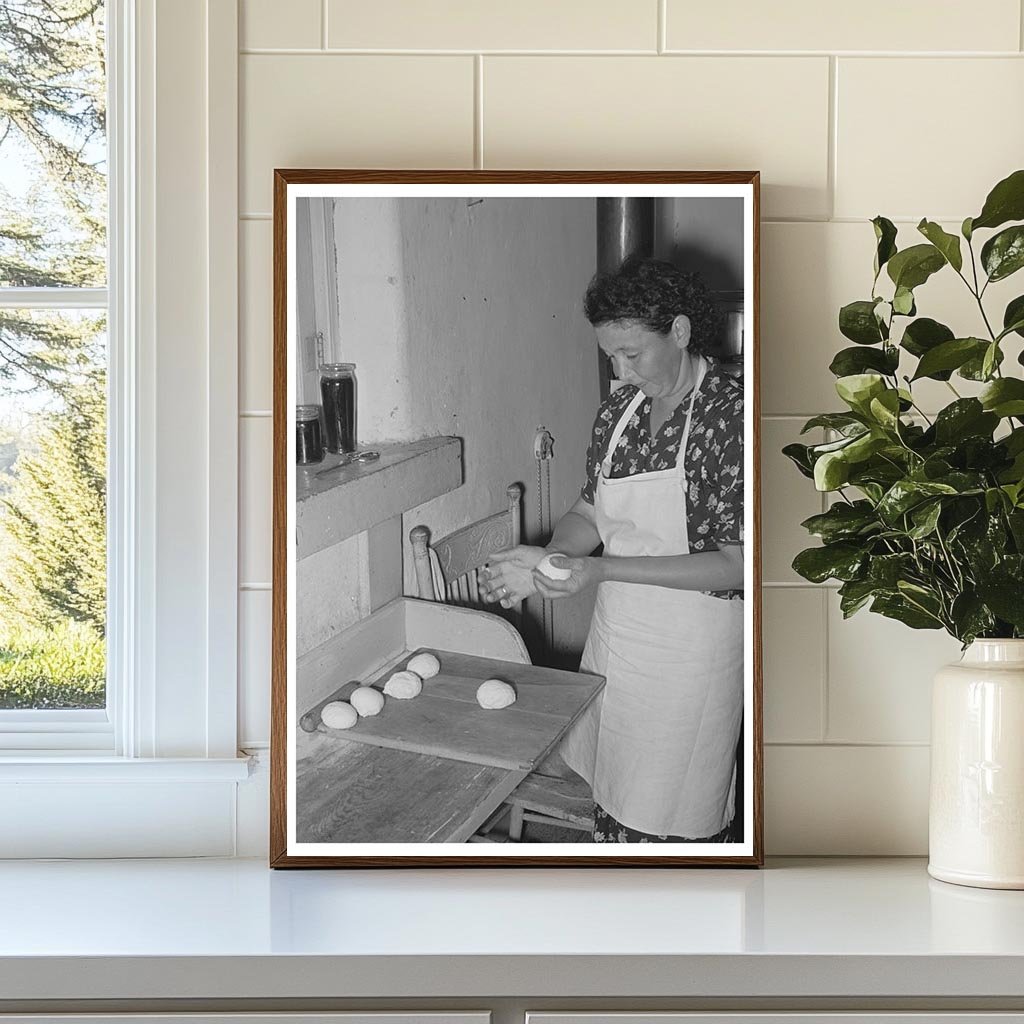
[332, 507]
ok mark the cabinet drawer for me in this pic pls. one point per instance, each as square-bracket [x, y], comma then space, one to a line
[790, 1017]
[360, 1017]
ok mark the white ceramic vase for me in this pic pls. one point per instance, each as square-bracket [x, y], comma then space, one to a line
[976, 812]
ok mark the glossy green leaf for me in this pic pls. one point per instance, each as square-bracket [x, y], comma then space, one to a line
[842, 521]
[854, 594]
[964, 418]
[885, 237]
[923, 335]
[947, 244]
[965, 228]
[906, 494]
[799, 455]
[840, 561]
[900, 608]
[1013, 317]
[950, 355]
[990, 360]
[925, 518]
[1003, 254]
[885, 409]
[974, 368]
[913, 266]
[831, 471]
[858, 389]
[903, 302]
[1005, 202]
[971, 617]
[1005, 597]
[842, 421]
[857, 322]
[1004, 397]
[887, 570]
[849, 361]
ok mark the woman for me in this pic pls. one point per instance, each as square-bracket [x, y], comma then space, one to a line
[664, 495]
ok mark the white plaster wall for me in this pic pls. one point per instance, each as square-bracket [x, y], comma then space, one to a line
[795, 89]
[466, 319]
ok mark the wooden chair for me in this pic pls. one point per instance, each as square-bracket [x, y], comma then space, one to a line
[446, 571]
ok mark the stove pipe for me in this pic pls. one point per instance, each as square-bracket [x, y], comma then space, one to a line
[625, 227]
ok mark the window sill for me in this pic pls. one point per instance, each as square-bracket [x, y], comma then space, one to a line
[351, 500]
[75, 766]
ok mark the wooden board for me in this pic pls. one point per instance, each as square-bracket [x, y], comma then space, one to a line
[357, 793]
[446, 721]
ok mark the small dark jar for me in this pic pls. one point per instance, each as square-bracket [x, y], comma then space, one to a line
[309, 438]
[338, 391]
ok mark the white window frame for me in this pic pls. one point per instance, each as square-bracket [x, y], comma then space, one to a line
[172, 463]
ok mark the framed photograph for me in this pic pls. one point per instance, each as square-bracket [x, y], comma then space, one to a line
[516, 533]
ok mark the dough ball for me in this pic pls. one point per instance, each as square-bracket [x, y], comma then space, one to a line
[553, 572]
[403, 685]
[367, 701]
[495, 693]
[339, 714]
[424, 665]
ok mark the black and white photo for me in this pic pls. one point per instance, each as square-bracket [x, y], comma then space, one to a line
[516, 562]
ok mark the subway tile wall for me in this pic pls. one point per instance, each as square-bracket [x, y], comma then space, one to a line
[911, 111]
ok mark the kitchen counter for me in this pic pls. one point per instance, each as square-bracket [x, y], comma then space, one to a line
[233, 930]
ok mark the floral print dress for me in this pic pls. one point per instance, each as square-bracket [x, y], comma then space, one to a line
[714, 457]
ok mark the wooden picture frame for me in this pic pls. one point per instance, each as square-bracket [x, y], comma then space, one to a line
[354, 798]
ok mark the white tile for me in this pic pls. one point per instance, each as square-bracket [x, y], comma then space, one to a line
[269, 24]
[471, 25]
[787, 499]
[870, 25]
[254, 635]
[255, 318]
[255, 512]
[350, 111]
[961, 131]
[643, 112]
[808, 272]
[880, 676]
[793, 634]
[846, 801]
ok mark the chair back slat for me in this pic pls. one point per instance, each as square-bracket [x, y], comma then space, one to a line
[446, 569]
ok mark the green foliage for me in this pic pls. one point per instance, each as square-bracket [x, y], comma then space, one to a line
[52, 123]
[53, 234]
[53, 521]
[62, 667]
[927, 526]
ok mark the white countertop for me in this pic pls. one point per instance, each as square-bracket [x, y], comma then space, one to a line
[232, 928]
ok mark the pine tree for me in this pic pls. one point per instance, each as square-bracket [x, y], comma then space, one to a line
[54, 520]
[53, 234]
[53, 119]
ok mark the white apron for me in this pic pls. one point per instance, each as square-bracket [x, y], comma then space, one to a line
[658, 744]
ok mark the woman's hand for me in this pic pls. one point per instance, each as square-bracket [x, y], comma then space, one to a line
[586, 572]
[508, 576]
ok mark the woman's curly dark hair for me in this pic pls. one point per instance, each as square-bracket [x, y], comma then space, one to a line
[654, 292]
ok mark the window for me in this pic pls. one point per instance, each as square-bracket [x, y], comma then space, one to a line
[158, 315]
[53, 368]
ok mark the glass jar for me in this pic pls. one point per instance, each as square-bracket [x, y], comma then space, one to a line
[338, 391]
[309, 438]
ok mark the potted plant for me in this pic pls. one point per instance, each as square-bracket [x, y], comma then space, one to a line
[927, 521]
